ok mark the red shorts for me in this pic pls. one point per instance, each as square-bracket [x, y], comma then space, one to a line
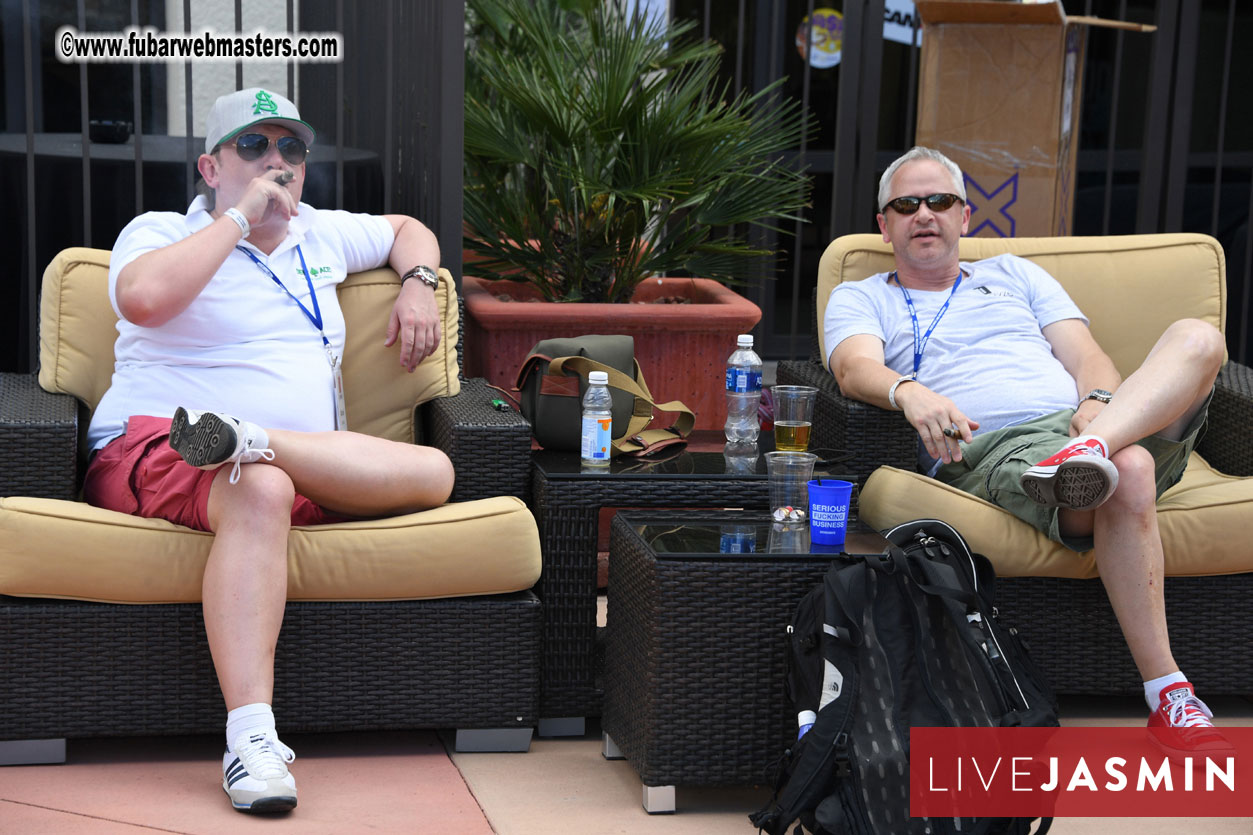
[140, 474]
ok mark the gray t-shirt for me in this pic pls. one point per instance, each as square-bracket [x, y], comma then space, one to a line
[987, 353]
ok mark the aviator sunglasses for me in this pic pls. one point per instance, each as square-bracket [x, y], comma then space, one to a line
[935, 202]
[252, 146]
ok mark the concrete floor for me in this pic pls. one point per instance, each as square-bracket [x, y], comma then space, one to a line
[407, 783]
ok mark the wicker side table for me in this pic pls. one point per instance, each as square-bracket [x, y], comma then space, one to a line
[567, 503]
[696, 650]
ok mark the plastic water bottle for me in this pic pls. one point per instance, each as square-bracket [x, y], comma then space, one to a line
[597, 420]
[743, 391]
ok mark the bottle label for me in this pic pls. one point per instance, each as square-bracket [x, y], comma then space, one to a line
[596, 439]
[743, 380]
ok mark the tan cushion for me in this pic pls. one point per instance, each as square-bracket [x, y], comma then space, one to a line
[1204, 522]
[53, 548]
[1131, 287]
[381, 395]
[77, 329]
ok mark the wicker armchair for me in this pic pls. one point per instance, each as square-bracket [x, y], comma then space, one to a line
[1129, 287]
[354, 660]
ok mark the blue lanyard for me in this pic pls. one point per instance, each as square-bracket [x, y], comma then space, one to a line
[316, 316]
[920, 345]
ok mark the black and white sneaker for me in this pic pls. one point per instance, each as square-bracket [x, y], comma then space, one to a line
[255, 775]
[208, 440]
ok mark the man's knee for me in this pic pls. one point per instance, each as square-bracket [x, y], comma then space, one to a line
[441, 474]
[1137, 481]
[1198, 341]
[262, 493]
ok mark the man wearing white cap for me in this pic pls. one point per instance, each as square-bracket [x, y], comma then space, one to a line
[232, 307]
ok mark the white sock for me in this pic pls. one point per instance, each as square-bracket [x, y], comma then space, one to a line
[1088, 437]
[248, 719]
[1153, 689]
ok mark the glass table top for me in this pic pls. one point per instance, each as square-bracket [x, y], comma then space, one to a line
[738, 460]
[671, 535]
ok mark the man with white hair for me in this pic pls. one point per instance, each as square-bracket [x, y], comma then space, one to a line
[1014, 402]
[231, 309]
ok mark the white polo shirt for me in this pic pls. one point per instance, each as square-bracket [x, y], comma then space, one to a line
[242, 346]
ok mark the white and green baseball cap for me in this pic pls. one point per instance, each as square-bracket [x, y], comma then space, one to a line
[243, 109]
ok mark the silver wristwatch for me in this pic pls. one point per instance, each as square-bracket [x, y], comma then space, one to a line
[1099, 394]
[422, 273]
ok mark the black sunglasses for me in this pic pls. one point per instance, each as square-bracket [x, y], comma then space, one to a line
[935, 202]
[251, 146]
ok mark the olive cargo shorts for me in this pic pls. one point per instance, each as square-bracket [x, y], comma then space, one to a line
[993, 462]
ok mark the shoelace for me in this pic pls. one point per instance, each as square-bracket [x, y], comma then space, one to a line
[1078, 450]
[267, 454]
[265, 758]
[1189, 712]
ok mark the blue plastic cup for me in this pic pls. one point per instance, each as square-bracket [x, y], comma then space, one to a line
[828, 511]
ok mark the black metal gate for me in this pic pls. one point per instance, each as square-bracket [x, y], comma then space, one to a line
[1166, 141]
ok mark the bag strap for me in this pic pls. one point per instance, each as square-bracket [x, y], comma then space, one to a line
[826, 752]
[637, 439]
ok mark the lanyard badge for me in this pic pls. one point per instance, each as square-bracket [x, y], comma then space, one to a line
[920, 343]
[315, 317]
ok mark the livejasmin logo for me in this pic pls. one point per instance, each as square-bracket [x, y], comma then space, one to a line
[1081, 772]
[1150, 777]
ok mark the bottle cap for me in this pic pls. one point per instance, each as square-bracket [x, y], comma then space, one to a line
[600, 378]
[744, 340]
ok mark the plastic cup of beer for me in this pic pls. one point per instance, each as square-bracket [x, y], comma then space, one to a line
[793, 417]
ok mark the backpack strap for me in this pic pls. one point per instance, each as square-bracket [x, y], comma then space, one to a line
[826, 744]
[637, 439]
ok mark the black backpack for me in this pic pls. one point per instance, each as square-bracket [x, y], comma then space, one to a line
[908, 638]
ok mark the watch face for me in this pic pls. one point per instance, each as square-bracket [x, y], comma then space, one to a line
[1100, 394]
[424, 274]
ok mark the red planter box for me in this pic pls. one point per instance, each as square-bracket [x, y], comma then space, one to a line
[681, 348]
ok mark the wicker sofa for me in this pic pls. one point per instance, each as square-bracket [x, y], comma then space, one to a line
[419, 621]
[1130, 287]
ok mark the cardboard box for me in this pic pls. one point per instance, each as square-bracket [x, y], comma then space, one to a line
[1000, 93]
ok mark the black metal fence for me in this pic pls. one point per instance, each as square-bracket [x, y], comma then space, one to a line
[388, 117]
[1166, 140]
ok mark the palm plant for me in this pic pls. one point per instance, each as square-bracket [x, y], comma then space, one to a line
[600, 150]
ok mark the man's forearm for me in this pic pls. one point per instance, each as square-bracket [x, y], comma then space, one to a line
[1097, 372]
[414, 245]
[871, 382]
[159, 285]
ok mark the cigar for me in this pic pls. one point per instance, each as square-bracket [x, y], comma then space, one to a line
[950, 432]
[284, 177]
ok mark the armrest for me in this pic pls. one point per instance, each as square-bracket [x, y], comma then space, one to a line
[38, 440]
[873, 436]
[876, 437]
[490, 450]
[1228, 441]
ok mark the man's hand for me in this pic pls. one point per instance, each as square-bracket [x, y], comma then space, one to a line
[415, 322]
[931, 414]
[1087, 410]
[266, 199]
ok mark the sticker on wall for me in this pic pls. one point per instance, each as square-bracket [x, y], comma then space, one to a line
[826, 38]
[901, 23]
[990, 209]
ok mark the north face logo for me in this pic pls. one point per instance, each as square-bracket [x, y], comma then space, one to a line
[264, 104]
[832, 684]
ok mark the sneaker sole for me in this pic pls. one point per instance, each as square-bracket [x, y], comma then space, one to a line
[275, 799]
[1077, 484]
[266, 805]
[209, 442]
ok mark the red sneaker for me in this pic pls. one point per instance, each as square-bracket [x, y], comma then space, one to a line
[1181, 726]
[1079, 476]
